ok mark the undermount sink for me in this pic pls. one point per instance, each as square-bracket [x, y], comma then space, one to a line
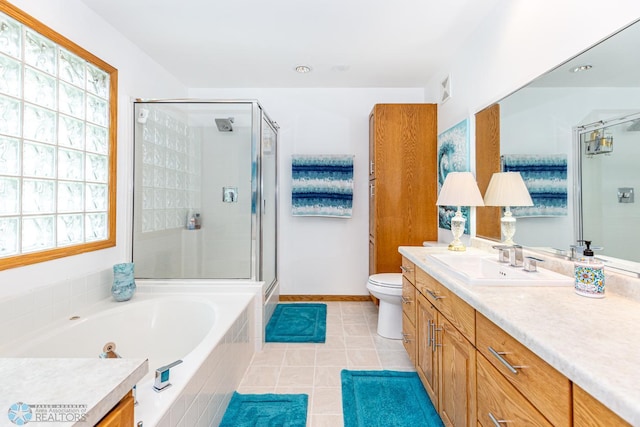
[485, 270]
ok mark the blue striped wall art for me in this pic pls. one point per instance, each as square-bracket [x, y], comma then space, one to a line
[545, 176]
[322, 185]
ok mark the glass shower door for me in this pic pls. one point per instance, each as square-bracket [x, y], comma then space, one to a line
[269, 208]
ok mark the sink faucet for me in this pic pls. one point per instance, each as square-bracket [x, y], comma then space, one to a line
[513, 252]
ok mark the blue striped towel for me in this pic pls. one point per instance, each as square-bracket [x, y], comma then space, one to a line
[322, 185]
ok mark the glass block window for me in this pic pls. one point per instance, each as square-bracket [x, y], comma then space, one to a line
[57, 144]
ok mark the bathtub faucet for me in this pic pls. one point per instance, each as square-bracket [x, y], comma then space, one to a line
[162, 376]
[109, 351]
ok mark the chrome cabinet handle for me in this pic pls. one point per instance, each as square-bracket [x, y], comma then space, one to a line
[429, 334]
[496, 422]
[433, 294]
[498, 354]
[406, 300]
[434, 341]
[405, 338]
[405, 269]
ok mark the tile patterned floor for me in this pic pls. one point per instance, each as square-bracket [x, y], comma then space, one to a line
[314, 369]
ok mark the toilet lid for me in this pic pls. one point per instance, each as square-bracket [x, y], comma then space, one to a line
[391, 280]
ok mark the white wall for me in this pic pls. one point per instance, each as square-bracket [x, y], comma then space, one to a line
[138, 76]
[521, 40]
[322, 256]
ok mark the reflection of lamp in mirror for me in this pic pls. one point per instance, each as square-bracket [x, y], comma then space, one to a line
[459, 189]
[507, 189]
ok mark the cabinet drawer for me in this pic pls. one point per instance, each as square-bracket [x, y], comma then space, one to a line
[498, 400]
[409, 338]
[546, 388]
[589, 412]
[409, 300]
[458, 312]
[408, 270]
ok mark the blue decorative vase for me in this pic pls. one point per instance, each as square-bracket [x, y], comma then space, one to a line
[124, 286]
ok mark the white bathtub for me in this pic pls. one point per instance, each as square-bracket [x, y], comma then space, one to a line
[210, 329]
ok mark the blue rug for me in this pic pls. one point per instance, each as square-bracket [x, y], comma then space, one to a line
[266, 410]
[298, 323]
[386, 399]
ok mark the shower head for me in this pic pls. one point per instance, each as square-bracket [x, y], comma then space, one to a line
[225, 125]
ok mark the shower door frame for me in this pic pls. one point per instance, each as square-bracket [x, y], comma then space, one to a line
[257, 199]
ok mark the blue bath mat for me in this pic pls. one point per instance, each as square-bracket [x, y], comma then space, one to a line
[386, 399]
[266, 410]
[298, 323]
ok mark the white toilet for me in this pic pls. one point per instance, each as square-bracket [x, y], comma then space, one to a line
[387, 287]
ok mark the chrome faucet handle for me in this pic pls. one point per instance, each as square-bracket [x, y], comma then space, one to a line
[515, 256]
[162, 376]
[531, 264]
[503, 252]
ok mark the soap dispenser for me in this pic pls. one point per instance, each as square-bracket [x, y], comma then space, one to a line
[589, 274]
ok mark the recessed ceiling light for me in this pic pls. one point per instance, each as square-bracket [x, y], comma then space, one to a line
[581, 68]
[302, 69]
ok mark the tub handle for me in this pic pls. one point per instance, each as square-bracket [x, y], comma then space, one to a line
[162, 376]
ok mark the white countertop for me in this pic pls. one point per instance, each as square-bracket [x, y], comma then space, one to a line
[594, 342]
[97, 383]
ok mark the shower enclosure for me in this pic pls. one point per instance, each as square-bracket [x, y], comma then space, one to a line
[205, 193]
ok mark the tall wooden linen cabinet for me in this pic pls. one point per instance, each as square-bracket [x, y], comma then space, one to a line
[402, 181]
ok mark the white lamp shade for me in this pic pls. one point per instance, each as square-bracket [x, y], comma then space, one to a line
[507, 189]
[460, 189]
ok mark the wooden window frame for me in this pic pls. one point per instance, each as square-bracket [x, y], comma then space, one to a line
[61, 252]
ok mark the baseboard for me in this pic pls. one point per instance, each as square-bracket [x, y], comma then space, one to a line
[325, 298]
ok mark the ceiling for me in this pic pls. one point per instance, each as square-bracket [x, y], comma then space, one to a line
[256, 43]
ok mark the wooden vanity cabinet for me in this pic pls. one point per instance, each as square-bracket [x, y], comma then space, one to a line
[409, 338]
[477, 374]
[446, 357]
[121, 415]
[589, 412]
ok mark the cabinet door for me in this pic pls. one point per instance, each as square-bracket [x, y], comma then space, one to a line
[457, 379]
[427, 357]
[588, 412]
[409, 338]
[121, 415]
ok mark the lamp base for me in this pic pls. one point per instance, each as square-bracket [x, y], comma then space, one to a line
[508, 227]
[457, 246]
[457, 229]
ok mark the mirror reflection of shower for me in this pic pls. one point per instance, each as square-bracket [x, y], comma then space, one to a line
[199, 190]
[607, 176]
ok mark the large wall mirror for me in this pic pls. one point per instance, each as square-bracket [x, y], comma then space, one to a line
[581, 120]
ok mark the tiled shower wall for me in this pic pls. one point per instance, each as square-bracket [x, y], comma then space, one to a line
[170, 168]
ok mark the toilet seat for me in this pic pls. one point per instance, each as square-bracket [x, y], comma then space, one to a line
[386, 280]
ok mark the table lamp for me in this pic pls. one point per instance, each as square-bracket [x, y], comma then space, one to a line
[507, 189]
[459, 189]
